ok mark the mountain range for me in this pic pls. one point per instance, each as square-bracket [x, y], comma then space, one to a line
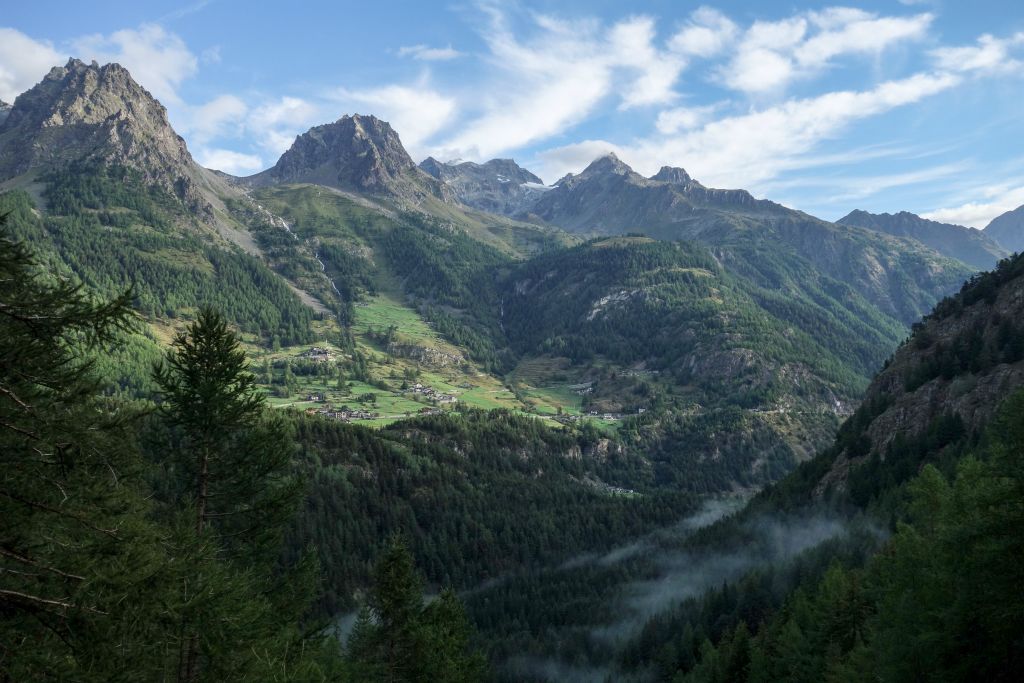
[555, 376]
[721, 305]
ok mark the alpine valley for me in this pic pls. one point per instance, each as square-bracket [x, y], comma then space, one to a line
[621, 428]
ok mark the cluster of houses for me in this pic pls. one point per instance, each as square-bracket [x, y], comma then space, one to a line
[640, 373]
[344, 414]
[431, 393]
[593, 414]
[318, 354]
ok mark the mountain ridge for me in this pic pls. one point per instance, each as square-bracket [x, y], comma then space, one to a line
[969, 245]
[608, 197]
[1008, 230]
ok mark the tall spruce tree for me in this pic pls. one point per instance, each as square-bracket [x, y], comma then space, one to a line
[79, 563]
[231, 461]
[397, 639]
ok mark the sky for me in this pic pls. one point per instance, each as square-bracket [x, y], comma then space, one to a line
[883, 106]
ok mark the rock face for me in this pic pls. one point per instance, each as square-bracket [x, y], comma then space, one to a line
[357, 153]
[5, 110]
[904, 279]
[1008, 230]
[971, 246]
[963, 360]
[498, 186]
[426, 355]
[87, 113]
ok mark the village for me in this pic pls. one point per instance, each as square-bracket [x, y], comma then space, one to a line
[318, 354]
[429, 393]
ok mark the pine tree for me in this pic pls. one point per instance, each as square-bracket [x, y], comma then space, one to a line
[233, 461]
[397, 603]
[397, 639]
[78, 561]
[448, 647]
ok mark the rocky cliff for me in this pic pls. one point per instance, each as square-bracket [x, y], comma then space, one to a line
[90, 114]
[356, 153]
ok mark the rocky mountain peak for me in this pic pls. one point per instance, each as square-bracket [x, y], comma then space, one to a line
[433, 166]
[498, 186]
[673, 174]
[509, 169]
[87, 113]
[609, 163]
[356, 152]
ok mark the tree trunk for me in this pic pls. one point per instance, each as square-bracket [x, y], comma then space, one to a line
[190, 672]
[204, 479]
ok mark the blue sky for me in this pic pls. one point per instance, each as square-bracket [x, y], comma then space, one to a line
[911, 104]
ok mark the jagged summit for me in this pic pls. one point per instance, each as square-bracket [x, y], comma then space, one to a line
[87, 113]
[968, 245]
[609, 163]
[609, 197]
[673, 174]
[356, 152]
[498, 186]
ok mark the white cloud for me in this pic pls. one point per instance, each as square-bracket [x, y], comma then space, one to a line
[707, 34]
[235, 163]
[416, 113]
[544, 84]
[275, 124]
[157, 59]
[674, 120]
[426, 53]
[23, 62]
[748, 149]
[847, 31]
[652, 73]
[222, 115]
[990, 55]
[979, 214]
[559, 161]
[772, 54]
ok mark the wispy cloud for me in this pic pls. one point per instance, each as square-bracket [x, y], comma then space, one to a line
[275, 124]
[214, 119]
[235, 163]
[989, 55]
[773, 54]
[416, 111]
[543, 83]
[707, 34]
[748, 149]
[846, 187]
[994, 201]
[426, 53]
